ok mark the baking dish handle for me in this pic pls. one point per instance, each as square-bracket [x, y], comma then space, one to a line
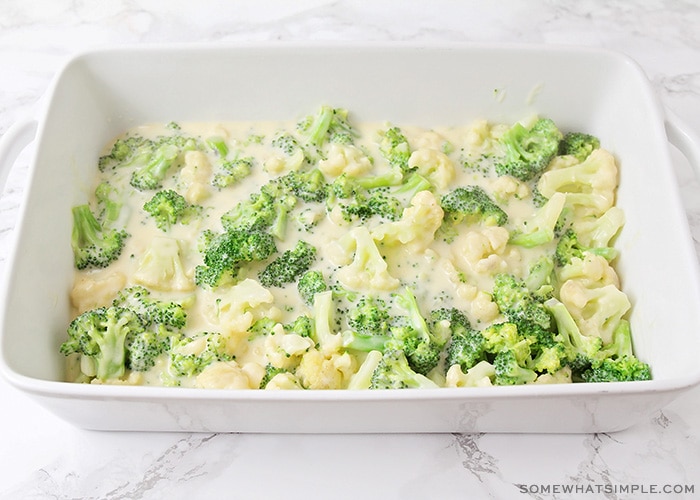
[17, 137]
[685, 139]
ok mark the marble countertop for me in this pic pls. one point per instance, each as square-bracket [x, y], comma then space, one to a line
[44, 457]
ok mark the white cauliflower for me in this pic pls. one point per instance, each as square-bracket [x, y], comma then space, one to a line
[482, 251]
[195, 176]
[223, 375]
[417, 225]
[161, 268]
[479, 375]
[318, 370]
[96, 290]
[368, 269]
[435, 165]
[345, 159]
[240, 306]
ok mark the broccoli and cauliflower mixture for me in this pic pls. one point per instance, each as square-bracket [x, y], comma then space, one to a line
[328, 254]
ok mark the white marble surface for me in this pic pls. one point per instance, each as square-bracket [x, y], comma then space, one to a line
[43, 457]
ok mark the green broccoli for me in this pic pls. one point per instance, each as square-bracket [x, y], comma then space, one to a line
[529, 150]
[517, 303]
[309, 185]
[93, 244]
[232, 171]
[228, 251]
[578, 144]
[143, 348]
[393, 372]
[266, 210]
[394, 147]
[99, 336]
[310, 283]
[218, 145]
[110, 203]
[303, 326]
[151, 310]
[470, 205]
[168, 207]
[151, 175]
[190, 355]
[568, 248]
[625, 369]
[508, 371]
[421, 346]
[127, 151]
[370, 323]
[289, 266]
[466, 345]
[328, 125]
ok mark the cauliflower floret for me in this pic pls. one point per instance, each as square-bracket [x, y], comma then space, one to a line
[283, 350]
[596, 310]
[590, 185]
[478, 375]
[283, 381]
[223, 375]
[240, 306]
[432, 140]
[433, 164]
[417, 225]
[161, 268]
[479, 132]
[482, 308]
[195, 176]
[96, 290]
[368, 268]
[319, 370]
[506, 187]
[345, 159]
[561, 376]
[592, 270]
[481, 251]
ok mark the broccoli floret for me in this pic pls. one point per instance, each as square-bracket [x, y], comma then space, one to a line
[218, 145]
[395, 149]
[289, 266]
[94, 245]
[578, 144]
[328, 125]
[625, 369]
[233, 171]
[569, 248]
[517, 303]
[529, 151]
[190, 355]
[393, 372]
[266, 210]
[466, 345]
[580, 351]
[421, 346]
[151, 311]
[99, 336]
[262, 327]
[151, 174]
[126, 151]
[370, 322]
[309, 185]
[362, 198]
[540, 228]
[509, 371]
[311, 283]
[168, 207]
[143, 348]
[470, 205]
[110, 204]
[303, 326]
[228, 251]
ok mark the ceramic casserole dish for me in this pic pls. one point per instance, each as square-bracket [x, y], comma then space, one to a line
[98, 95]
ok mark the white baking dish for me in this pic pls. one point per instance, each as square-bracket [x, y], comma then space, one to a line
[98, 95]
